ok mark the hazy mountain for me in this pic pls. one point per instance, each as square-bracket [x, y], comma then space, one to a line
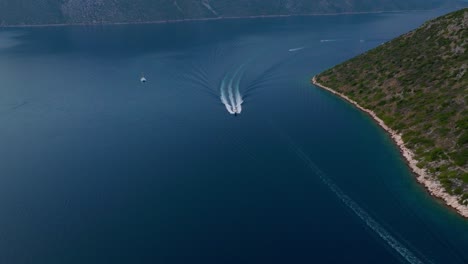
[13, 12]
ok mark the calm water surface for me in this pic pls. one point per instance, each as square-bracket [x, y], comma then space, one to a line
[96, 167]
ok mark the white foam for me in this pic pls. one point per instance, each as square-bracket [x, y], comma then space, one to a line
[230, 92]
[223, 97]
[296, 49]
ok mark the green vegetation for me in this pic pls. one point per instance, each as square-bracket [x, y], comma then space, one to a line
[18, 12]
[418, 84]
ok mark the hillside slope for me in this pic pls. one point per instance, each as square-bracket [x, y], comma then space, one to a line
[17, 12]
[418, 85]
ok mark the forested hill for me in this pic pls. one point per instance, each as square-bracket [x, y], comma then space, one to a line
[19, 12]
[418, 84]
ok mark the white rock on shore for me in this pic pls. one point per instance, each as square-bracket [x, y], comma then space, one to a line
[432, 185]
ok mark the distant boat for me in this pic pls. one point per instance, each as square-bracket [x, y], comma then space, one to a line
[143, 79]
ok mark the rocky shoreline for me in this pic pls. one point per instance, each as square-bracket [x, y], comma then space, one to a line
[432, 185]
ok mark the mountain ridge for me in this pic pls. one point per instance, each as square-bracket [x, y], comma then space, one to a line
[36, 12]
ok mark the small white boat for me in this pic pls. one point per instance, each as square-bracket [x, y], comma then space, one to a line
[143, 79]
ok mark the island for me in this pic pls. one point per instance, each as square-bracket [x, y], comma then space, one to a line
[416, 88]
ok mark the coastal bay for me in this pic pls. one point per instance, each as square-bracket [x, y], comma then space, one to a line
[427, 112]
[432, 185]
[97, 167]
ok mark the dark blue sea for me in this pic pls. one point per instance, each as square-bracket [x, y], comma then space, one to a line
[227, 154]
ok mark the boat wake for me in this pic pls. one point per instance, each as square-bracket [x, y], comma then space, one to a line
[296, 49]
[230, 91]
[370, 222]
[329, 40]
[234, 86]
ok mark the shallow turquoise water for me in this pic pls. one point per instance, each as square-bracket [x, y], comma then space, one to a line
[98, 168]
